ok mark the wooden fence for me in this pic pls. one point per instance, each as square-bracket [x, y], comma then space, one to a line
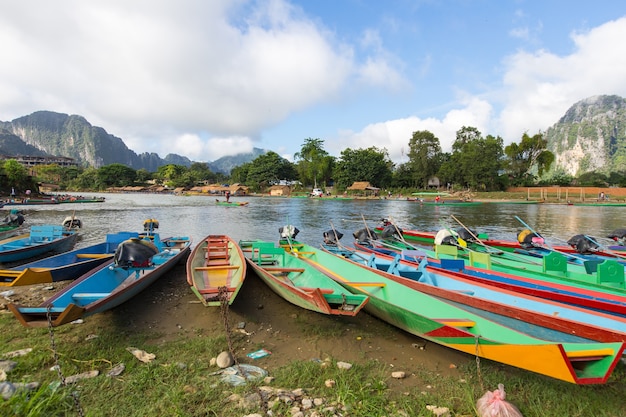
[565, 194]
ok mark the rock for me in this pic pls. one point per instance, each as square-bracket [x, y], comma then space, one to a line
[224, 360]
[213, 362]
[7, 366]
[330, 383]
[7, 390]
[398, 375]
[117, 370]
[73, 378]
[17, 353]
[344, 365]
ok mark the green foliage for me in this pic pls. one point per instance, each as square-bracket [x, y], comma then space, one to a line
[116, 175]
[475, 162]
[16, 173]
[266, 169]
[530, 153]
[313, 163]
[371, 164]
[593, 179]
[424, 157]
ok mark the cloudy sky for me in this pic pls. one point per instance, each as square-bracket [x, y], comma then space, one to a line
[211, 78]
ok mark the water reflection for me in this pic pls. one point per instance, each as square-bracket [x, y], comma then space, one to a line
[197, 216]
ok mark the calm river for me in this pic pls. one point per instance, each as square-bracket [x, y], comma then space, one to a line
[198, 216]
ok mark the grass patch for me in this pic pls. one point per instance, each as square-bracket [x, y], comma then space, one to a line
[179, 381]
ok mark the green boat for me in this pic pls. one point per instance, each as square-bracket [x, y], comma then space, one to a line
[607, 275]
[231, 203]
[402, 305]
[299, 283]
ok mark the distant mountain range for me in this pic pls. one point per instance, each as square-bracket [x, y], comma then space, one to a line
[46, 133]
[591, 136]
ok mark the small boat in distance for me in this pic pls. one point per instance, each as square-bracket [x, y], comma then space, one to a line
[231, 203]
[216, 270]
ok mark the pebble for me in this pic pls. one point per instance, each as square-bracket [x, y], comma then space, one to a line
[224, 360]
[344, 365]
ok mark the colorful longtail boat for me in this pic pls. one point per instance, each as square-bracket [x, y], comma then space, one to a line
[398, 301]
[216, 270]
[299, 283]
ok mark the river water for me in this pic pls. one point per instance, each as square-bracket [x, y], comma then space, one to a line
[198, 216]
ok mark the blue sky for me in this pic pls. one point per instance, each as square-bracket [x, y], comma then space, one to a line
[205, 79]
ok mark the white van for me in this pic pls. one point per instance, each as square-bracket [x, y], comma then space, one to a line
[317, 192]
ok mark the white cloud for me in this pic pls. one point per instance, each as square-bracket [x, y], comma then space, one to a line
[541, 86]
[394, 135]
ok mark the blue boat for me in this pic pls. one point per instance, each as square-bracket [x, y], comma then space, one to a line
[137, 263]
[64, 266]
[41, 239]
[495, 303]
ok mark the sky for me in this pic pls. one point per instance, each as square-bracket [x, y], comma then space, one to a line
[206, 79]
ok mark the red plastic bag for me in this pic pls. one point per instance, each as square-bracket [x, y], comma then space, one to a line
[493, 404]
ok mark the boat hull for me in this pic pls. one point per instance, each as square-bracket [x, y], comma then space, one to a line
[104, 287]
[441, 322]
[296, 282]
[216, 270]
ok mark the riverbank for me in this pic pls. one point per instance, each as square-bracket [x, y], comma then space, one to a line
[304, 348]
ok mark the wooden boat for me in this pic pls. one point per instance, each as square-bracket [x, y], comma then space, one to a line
[41, 239]
[231, 203]
[64, 266]
[216, 270]
[31, 201]
[606, 300]
[298, 283]
[605, 276]
[428, 238]
[137, 264]
[405, 304]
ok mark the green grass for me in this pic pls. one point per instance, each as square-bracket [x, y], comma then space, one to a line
[179, 381]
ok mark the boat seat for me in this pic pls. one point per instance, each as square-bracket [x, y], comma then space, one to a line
[448, 250]
[480, 260]
[611, 273]
[87, 298]
[268, 253]
[555, 262]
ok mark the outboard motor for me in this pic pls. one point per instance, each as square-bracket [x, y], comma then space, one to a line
[365, 235]
[150, 225]
[332, 237]
[467, 235]
[288, 232]
[445, 237]
[134, 253]
[618, 235]
[528, 239]
[391, 231]
[15, 218]
[582, 244]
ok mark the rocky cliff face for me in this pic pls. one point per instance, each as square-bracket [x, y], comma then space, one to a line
[591, 136]
[73, 136]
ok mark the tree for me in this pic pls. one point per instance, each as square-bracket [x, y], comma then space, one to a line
[169, 174]
[424, 157]
[371, 164]
[531, 153]
[267, 168]
[16, 174]
[475, 161]
[313, 163]
[116, 175]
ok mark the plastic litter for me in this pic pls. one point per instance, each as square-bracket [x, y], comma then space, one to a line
[240, 374]
[493, 404]
[259, 354]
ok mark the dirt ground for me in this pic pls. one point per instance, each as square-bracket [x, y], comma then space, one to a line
[267, 321]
